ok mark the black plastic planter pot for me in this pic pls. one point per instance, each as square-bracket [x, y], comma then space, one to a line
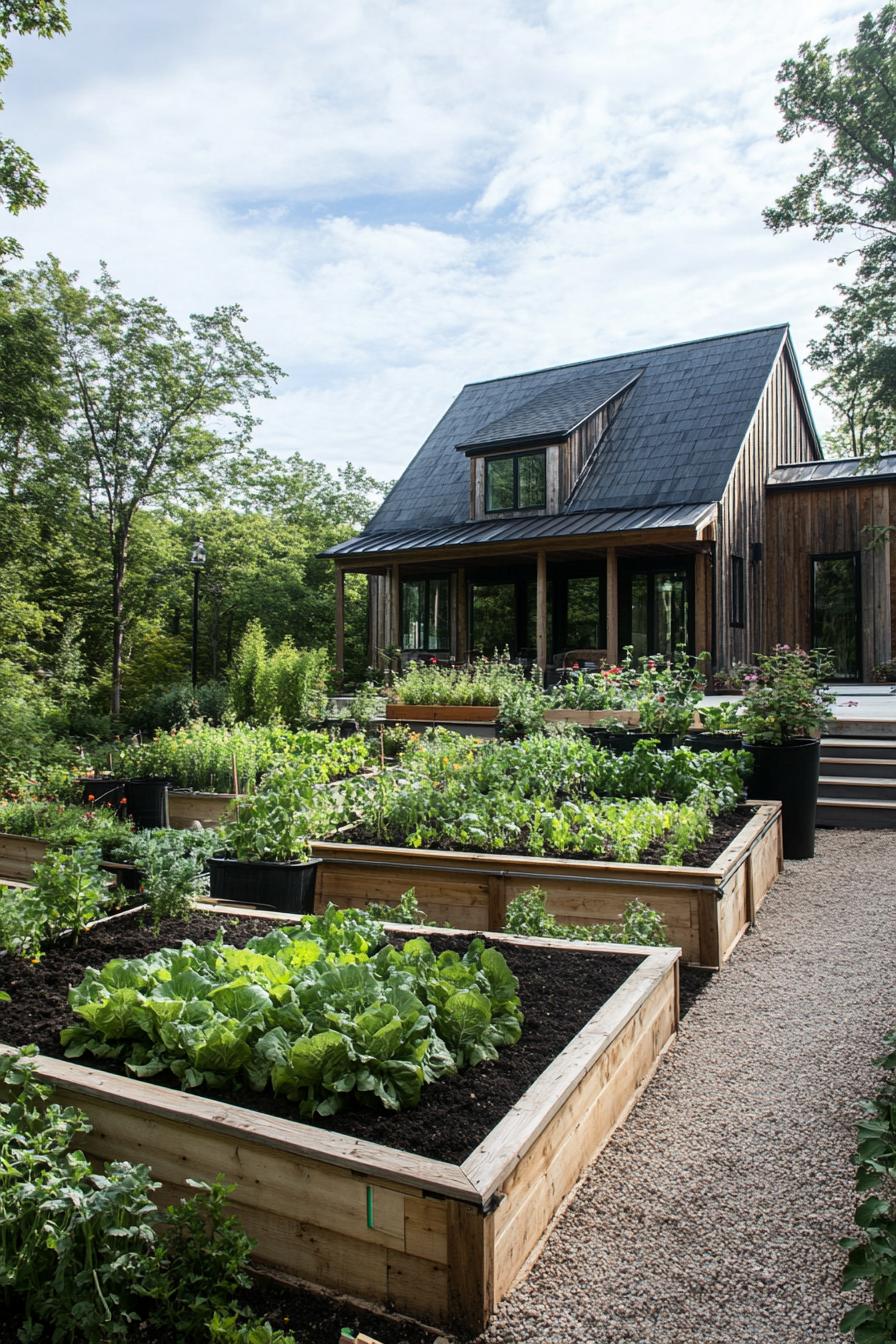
[288, 887]
[714, 742]
[146, 802]
[623, 742]
[101, 791]
[789, 772]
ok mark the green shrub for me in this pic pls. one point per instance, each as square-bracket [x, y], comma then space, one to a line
[287, 684]
[872, 1253]
[172, 706]
[527, 916]
[64, 824]
[85, 1256]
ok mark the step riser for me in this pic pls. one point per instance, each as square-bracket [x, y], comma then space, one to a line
[879, 751]
[869, 819]
[845, 769]
[865, 791]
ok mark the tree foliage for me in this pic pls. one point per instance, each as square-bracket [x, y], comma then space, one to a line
[21, 186]
[848, 193]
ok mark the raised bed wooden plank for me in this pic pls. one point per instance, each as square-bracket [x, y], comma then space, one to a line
[706, 909]
[438, 1241]
[209, 809]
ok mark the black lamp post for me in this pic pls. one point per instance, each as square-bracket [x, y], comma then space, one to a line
[197, 564]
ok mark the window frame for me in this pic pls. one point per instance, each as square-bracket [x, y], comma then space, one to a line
[516, 507]
[856, 558]
[425, 580]
[738, 591]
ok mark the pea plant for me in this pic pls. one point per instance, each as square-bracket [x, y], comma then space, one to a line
[69, 892]
[541, 795]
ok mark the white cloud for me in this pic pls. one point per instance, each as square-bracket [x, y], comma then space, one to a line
[406, 195]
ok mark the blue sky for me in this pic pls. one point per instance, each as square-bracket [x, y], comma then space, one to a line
[406, 195]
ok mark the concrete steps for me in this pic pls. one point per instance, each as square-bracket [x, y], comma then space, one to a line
[857, 787]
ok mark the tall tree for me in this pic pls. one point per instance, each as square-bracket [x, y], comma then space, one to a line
[848, 193]
[21, 186]
[155, 408]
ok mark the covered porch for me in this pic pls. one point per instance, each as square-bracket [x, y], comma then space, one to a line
[582, 598]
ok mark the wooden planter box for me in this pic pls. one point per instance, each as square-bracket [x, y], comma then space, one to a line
[706, 909]
[591, 718]
[442, 713]
[437, 1241]
[19, 854]
[185, 807]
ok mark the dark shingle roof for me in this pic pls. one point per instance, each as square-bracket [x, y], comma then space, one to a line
[526, 529]
[555, 412]
[837, 471]
[674, 441]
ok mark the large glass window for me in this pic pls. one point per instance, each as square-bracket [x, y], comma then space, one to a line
[494, 617]
[654, 613]
[583, 622]
[424, 614]
[516, 482]
[836, 609]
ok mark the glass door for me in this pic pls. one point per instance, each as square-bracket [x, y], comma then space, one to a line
[656, 607]
[836, 612]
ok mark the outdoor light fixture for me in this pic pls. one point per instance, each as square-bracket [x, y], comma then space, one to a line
[197, 564]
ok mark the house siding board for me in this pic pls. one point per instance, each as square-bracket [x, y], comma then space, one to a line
[778, 434]
[812, 521]
[674, 440]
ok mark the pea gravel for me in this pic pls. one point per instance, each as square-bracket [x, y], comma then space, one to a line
[713, 1215]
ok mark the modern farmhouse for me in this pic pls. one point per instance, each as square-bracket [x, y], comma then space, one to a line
[661, 497]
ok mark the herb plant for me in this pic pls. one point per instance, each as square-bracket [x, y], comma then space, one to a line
[311, 1011]
[172, 868]
[63, 824]
[274, 824]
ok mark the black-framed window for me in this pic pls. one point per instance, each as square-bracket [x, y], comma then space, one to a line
[515, 482]
[425, 614]
[837, 611]
[738, 591]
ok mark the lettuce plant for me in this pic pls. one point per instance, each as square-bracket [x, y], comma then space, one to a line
[314, 1012]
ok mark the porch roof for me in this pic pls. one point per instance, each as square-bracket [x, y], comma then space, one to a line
[585, 524]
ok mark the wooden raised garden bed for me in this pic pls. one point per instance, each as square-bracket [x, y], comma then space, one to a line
[440, 1241]
[209, 809]
[591, 718]
[706, 909]
[442, 713]
[19, 854]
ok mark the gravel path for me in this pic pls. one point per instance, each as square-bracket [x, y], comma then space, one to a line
[713, 1215]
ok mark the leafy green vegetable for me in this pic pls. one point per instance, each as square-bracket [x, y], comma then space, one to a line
[319, 1012]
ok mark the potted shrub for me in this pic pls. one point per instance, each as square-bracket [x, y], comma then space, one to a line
[267, 860]
[784, 709]
[719, 730]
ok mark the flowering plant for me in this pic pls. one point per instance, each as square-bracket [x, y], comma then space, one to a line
[785, 695]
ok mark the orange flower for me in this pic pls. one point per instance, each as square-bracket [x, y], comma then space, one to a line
[90, 797]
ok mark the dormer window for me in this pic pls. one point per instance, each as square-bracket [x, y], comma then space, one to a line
[515, 482]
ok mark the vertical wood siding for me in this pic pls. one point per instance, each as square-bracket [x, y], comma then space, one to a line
[778, 434]
[824, 521]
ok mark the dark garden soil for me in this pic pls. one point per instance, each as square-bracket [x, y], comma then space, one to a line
[724, 830]
[560, 991]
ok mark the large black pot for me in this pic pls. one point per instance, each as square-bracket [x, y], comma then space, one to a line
[788, 771]
[101, 791]
[625, 741]
[146, 802]
[288, 887]
[714, 742]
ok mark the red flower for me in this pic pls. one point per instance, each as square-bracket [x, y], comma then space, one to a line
[123, 801]
[90, 798]
[575, 667]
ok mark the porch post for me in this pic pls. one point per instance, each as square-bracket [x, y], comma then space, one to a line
[541, 611]
[394, 606]
[460, 616]
[612, 607]
[340, 623]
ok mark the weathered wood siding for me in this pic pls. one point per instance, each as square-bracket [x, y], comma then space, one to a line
[826, 520]
[778, 434]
